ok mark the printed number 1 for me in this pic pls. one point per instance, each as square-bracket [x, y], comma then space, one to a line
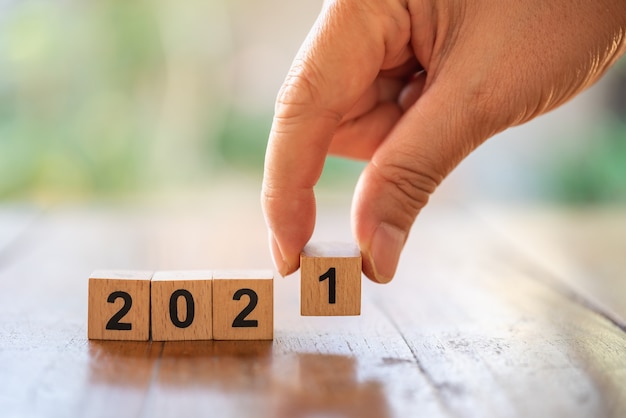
[332, 284]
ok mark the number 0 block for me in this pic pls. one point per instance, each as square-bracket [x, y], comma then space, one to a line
[243, 305]
[182, 305]
[119, 305]
[330, 280]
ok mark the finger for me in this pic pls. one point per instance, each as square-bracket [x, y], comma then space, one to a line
[359, 138]
[412, 91]
[339, 60]
[426, 144]
[388, 87]
[404, 70]
[383, 89]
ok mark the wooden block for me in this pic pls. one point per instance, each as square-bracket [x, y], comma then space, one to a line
[182, 305]
[243, 305]
[330, 279]
[119, 305]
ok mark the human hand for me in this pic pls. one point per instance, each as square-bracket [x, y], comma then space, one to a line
[414, 86]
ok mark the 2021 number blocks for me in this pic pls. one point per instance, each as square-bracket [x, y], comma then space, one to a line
[220, 305]
[181, 305]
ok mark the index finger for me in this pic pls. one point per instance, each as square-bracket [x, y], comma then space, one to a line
[341, 57]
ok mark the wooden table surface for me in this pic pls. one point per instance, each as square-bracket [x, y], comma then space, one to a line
[494, 312]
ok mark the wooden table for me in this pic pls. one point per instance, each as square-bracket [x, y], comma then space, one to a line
[494, 312]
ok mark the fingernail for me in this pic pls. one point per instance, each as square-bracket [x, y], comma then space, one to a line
[387, 244]
[279, 261]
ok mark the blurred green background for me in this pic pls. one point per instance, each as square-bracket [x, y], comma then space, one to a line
[131, 97]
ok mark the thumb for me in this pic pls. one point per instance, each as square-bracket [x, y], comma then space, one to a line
[431, 138]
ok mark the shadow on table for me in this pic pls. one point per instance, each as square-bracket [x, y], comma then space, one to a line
[122, 363]
[240, 377]
[329, 385]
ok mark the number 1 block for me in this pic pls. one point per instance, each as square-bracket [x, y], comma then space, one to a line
[182, 305]
[330, 280]
[119, 305]
[243, 305]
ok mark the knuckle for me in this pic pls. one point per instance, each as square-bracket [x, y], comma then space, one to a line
[299, 87]
[301, 95]
[484, 104]
[412, 184]
[490, 106]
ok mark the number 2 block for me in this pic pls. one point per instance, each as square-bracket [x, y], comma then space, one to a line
[330, 280]
[182, 305]
[243, 305]
[119, 305]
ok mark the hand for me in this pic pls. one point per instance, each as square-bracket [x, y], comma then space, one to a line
[414, 86]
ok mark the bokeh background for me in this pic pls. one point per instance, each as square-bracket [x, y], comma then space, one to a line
[117, 98]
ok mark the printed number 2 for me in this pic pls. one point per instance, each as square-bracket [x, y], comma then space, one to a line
[332, 284]
[114, 323]
[241, 321]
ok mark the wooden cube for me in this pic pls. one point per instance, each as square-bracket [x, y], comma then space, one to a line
[330, 279]
[119, 305]
[182, 305]
[243, 305]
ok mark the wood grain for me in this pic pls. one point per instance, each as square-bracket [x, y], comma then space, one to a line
[330, 279]
[469, 327]
[169, 287]
[495, 340]
[119, 305]
[581, 252]
[243, 305]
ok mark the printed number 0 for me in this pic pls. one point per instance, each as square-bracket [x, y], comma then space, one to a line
[174, 308]
[241, 321]
[114, 323]
[332, 284]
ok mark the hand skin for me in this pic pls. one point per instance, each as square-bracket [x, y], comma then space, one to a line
[414, 86]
